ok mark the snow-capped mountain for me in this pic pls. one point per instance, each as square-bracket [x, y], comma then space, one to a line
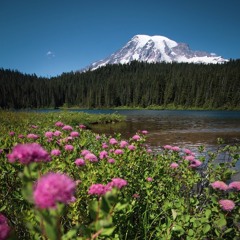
[153, 49]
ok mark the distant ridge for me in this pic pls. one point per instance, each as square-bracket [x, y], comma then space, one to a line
[153, 49]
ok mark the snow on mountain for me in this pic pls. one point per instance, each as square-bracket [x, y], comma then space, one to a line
[153, 49]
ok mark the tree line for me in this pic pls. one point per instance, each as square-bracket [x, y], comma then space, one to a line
[138, 84]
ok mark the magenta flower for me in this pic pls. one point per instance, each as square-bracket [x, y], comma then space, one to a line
[4, 228]
[85, 152]
[235, 185]
[136, 137]
[53, 188]
[82, 126]
[98, 137]
[111, 160]
[91, 157]
[57, 133]
[219, 185]
[98, 189]
[195, 163]
[144, 132]
[189, 158]
[69, 147]
[187, 151]
[27, 153]
[59, 124]
[20, 136]
[118, 151]
[67, 128]
[123, 144]
[227, 205]
[104, 145]
[118, 183]
[103, 154]
[131, 147]
[48, 134]
[34, 126]
[149, 179]
[167, 147]
[113, 141]
[174, 165]
[11, 133]
[80, 162]
[74, 134]
[32, 136]
[149, 150]
[176, 149]
[55, 152]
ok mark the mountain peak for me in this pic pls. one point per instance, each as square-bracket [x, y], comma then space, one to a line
[156, 48]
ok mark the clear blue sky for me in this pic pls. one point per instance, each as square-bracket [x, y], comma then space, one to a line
[48, 37]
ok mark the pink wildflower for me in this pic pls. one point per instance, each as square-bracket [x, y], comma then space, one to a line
[11, 133]
[136, 195]
[27, 153]
[80, 162]
[227, 205]
[53, 188]
[55, 152]
[136, 137]
[34, 126]
[149, 150]
[82, 126]
[69, 147]
[118, 183]
[67, 128]
[57, 133]
[59, 124]
[195, 163]
[98, 189]
[103, 154]
[4, 227]
[91, 157]
[74, 134]
[104, 145]
[85, 152]
[20, 136]
[187, 151]
[118, 151]
[219, 185]
[189, 158]
[144, 132]
[123, 144]
[149, 179]
[175, 149]
[131, 147]
[113, 141]
[167, 147]
[49, 134]
[111, 160]
[98, 137]
[235, 185]
[174, 165]
[32, 136]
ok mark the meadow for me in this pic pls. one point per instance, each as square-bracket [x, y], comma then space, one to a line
[60, 180]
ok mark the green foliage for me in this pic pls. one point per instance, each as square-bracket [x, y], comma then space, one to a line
[159, 202]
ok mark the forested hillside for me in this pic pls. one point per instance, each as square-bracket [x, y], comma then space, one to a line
[134, 85]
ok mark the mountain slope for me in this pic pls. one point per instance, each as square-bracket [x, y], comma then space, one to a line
[156, 49]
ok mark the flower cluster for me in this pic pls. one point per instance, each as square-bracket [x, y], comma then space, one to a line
[53, 188]
[27, 153]
[4, 228]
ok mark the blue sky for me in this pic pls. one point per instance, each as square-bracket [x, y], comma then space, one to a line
[48, 37]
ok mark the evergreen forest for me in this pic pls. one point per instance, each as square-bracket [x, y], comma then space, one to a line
[138, 84]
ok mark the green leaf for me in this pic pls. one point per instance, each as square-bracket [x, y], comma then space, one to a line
[208, 213]
[190, 232]
[206, 228]
[108, 231]
[70, 234]
[174, 214]
[93, 209]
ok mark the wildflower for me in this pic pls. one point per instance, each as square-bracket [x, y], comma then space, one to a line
[135, 195]
[189, 158]
[67, 128]
[11, 133]
[175, 149]
[136, 137]
[118, 183]
[131, 147]
[167, 147]
[74, 134]
[111, 160]
[123, 144]
[27, 153]
[149, 150]
[69, 147]
[55, 152]
[235, 185]
[103, 154]
[53, 188]
[20, 136]
[85, 152]
[98, 137]
[91, 157]
[82, 126]
[195, 163]
[174, 165]
[104, 145]
[48, 134]
[4, 228]
[219, 185]
[149, 179]
[34, 126]
[98, 189]
[32, 136]
[1, 150]
[57, 133]
[113, 141]
[118, 151]
[59, 124]
[80, 162]
[144, 132]
[227, 205]
[187, 151]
